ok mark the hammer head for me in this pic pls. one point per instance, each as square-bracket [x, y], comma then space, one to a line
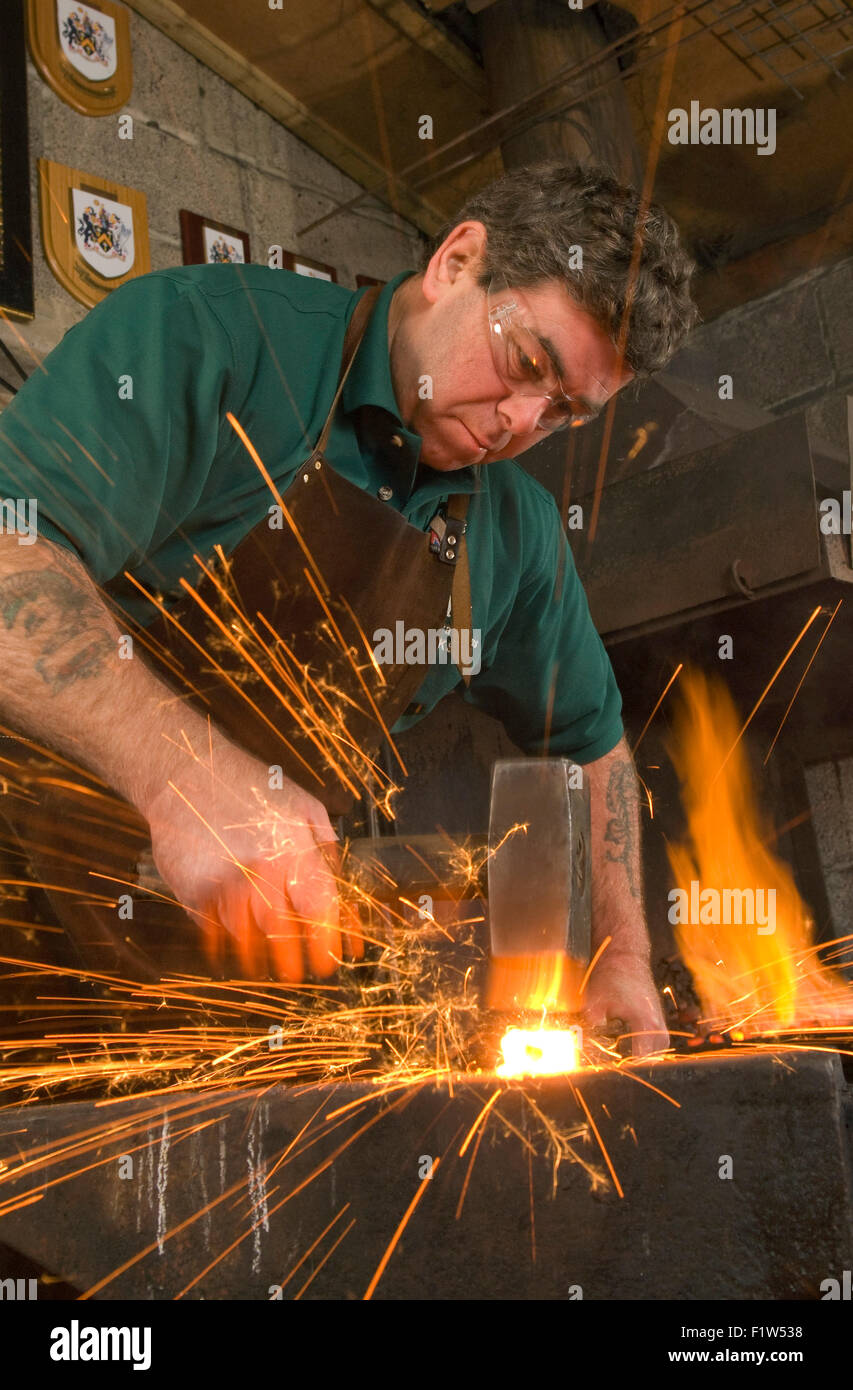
[538, 867]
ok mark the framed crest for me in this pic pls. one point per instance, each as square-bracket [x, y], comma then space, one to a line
[206, 242]
[94, 231]
[83, 52]
[304, 265]
[16, 247]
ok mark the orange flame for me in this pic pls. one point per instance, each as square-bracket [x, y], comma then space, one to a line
[739, 921]
[544, 980]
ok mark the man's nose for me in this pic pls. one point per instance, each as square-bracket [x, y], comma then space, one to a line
[521, 414]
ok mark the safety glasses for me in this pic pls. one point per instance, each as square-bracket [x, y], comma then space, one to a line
[525, 366]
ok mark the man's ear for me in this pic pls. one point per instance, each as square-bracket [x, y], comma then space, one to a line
[460, 253]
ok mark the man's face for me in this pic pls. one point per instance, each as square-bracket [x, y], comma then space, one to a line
[474, 417]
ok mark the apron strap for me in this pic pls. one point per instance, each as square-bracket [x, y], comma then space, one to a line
[460, 594]
[457, 506]
[352, 338]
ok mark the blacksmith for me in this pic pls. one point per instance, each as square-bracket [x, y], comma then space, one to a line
[140, 439]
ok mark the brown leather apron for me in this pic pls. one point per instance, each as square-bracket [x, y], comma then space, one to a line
[275, 643]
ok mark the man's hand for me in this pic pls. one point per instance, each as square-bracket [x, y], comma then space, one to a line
[621, 986]
[259, 863]
[241, 857]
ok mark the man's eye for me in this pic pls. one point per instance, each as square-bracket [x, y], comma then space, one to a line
[531, 366]
[522, 365]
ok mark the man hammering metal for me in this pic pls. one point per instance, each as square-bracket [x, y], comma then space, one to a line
[337, 463]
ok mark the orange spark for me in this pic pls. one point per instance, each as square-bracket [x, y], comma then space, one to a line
[606, 1155]
[392, 1245]
[482, 1116]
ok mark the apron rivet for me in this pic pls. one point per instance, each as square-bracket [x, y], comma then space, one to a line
[451, 554]
[385, 493]
[451, 540]
[318, 464]
[304, 477]
[395, 439]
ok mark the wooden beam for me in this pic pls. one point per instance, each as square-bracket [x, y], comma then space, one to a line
[475, 6]
[435, 40]
[283, 106]
[545, 41]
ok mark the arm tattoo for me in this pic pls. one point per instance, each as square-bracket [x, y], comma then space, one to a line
[62, 618]
[622, 828]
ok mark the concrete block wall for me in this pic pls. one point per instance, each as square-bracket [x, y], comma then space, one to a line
[200, 144]
[785, 351]
[830, 789]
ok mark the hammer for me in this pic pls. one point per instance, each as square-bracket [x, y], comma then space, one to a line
[534, 868]
[539, 883]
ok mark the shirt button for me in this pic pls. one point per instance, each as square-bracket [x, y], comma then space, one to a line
[397, 441]
[385, 493]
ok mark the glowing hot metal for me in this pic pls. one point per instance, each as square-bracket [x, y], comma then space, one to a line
[540, 1051]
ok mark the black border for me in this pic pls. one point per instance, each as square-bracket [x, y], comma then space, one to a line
[16, 269]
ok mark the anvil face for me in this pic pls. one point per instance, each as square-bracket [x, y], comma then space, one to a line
[693, 1193]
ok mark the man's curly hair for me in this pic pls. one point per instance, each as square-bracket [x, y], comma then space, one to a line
[537, 216]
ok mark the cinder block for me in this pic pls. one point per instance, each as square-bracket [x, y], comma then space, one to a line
[86, 143]
[773, 348]
[839, 891]
[828, 815]
[271, 209]
[166, 251]
[282, 155]
[356, 241]
[165, 80]
[836, 297]
[845, 775]
[371, 242]
[174, 177]
[827, 421]
[92, 143]
[285, 156]
[230, 123]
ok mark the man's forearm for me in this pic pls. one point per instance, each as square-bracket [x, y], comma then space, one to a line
[63, 681]
[617, 886]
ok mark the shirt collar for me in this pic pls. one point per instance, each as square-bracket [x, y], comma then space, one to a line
[369, 383]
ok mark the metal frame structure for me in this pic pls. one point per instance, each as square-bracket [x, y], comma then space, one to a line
[776, 33]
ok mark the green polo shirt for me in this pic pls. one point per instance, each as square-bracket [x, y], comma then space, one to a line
[122, 437]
